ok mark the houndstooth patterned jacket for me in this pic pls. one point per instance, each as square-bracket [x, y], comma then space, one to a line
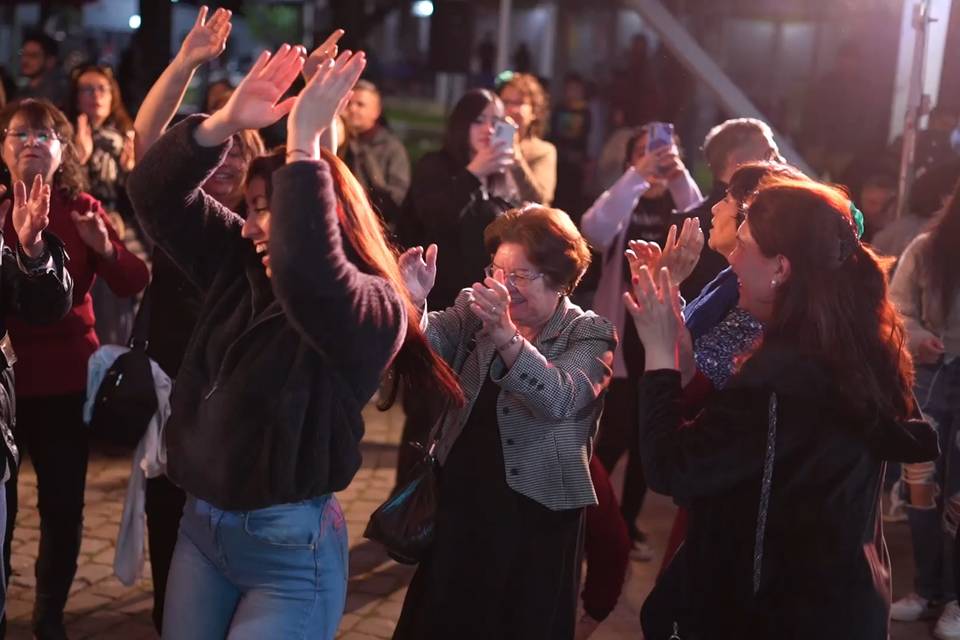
[549, 403]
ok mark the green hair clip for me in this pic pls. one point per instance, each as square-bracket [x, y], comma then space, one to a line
[857, 218]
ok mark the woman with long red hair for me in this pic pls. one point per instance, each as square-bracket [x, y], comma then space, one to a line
[782, 470]
[304, 309]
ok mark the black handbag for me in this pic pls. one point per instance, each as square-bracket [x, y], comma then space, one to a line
[404, 524]
[127, 398]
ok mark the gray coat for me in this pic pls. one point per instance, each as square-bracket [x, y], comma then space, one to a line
[550, 399]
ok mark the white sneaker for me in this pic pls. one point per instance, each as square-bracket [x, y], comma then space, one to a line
[948, 625]
[913, 607]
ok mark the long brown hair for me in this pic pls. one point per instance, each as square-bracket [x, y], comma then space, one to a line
[942, 259]
[417, 368]
[119, 119]
[41, 114]
[834, 306]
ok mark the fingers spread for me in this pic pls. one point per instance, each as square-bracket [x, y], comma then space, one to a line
[431, 256]
[201, 16]
[19, 193]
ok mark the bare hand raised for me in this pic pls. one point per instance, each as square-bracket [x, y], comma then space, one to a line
[680, 255]
[325, 94]
[419, 270]
[655, 310]
[31, 214]
[207, 39]
[93, 232]
[325, 52]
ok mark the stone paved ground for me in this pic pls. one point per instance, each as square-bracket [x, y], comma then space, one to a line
[101, 607]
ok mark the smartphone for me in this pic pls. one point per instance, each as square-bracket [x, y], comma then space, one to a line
[503, 134]
[659, 135]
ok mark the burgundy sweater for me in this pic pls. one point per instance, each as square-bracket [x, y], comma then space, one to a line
[52, 359]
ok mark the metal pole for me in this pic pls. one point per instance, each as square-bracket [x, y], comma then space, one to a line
[917, 106]
[503, 35]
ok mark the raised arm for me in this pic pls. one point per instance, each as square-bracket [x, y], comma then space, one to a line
[206, 40]
[609, 215]
[354, 317]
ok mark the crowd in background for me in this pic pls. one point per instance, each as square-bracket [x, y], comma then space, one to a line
[563, 325]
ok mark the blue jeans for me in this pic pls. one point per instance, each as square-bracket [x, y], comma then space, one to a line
[279, 572]
[932, 527]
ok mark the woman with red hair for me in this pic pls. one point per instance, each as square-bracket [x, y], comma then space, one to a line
[782, 470]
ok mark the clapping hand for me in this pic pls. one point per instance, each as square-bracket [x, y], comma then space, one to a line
[655, 311]
[325, 94]
[490, 301]
[93, 232]
[419, 271]
[679, 256]
[207, 38]
[321, 55]
[31, 214]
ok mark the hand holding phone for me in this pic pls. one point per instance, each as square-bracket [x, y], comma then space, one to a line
[504, 133]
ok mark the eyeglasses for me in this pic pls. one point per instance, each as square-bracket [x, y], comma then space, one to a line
[41, 136]
[91, 89]
[517, 279]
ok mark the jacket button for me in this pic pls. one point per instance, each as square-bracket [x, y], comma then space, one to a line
[514, 472]
[506, 410]
[533, 381]
[539, 387]
[523, 376]
[510, 441]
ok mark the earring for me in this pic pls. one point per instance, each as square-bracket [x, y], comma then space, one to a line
[774, 283]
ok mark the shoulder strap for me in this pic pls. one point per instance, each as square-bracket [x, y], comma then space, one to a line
[765, 486]
[141, 324]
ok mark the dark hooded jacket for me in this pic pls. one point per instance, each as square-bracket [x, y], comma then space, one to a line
[800, 555]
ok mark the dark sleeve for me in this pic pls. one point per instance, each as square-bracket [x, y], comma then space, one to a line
[357, 319]
[441, 197]
[36, 294]
[195, 230]
[125, 273]
[723, 446]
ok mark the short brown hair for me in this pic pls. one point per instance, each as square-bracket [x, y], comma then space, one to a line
[730, 135]
[550, 239]
[70, 177]
[531, 89]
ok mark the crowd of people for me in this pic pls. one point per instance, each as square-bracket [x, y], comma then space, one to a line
[740, 347]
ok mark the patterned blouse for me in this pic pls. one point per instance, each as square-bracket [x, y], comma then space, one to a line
[716, 350]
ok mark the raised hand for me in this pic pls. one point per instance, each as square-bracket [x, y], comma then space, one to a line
[491, 303]
[679, 256]
[325, 94]
[254, 103]
[128, 156]
[419, 271]
[207, 38]
[31, 214]
[93, 232]
[324, 53]
[655, 310]
[83, 138]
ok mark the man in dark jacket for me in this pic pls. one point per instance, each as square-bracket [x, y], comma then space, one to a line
[375, 154]
[727, 146]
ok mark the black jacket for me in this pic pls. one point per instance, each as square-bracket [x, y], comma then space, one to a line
[820, 561]
[266, 409]
[448, 206]
[38, 296]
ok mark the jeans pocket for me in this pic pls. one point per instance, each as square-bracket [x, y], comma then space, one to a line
[288, 526]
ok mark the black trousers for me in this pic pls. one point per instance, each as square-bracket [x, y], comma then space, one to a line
[619, 434]
[50, 430]
[164, 506]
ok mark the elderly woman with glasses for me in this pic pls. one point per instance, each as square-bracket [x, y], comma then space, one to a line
[51, 370]
[515, 476]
